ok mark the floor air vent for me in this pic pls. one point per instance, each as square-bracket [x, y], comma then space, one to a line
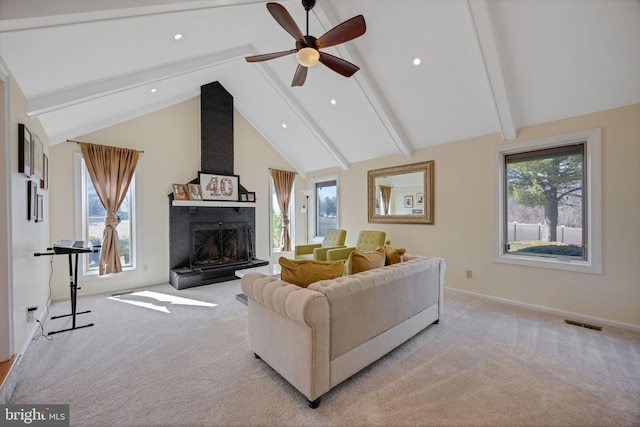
[583, 325]
[117, 294]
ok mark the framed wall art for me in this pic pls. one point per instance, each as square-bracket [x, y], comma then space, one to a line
[408, 201]
[39, 208]
[44, 182]
[219, 187]
[24, 150]
[37, 151]
[32, 202]
[419, 198]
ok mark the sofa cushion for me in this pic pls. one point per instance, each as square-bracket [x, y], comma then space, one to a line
[393, 255]
[303, 272]
[359, 261]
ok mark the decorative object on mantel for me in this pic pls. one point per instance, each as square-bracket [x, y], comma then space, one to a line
[24, 150]
[308, 47]
[195, 192]
[180, 192]
[219, 187]
[251, 196]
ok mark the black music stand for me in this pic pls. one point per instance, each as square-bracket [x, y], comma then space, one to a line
[73, 282]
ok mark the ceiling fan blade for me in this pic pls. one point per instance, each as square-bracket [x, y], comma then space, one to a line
[300, 76]
[338, 65]
[268, 56]
[285, 20]
[348, 30]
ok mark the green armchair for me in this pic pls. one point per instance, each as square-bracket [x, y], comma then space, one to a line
[333, 239]
[368, 240]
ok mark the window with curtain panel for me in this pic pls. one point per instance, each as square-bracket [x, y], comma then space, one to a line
[92, 214]
[275, 215]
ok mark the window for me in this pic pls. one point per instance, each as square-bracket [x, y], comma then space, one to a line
[326, 205]
[92, 215]
[276, 218]
[549, 204]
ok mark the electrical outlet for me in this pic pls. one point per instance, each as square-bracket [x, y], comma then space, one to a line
[468, 274]
[145, 267]
[31, 314]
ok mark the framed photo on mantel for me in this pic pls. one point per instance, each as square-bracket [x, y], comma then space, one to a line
[219, 187]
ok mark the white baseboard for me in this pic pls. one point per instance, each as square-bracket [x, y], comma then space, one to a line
[561, 313]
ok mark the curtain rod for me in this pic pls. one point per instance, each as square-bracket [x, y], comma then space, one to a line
[78, 142]
[281, 169]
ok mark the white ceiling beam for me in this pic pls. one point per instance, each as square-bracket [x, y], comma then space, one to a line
[304, 117]
[481, 17]
[32, 14]
[53, 101]
[328, 19]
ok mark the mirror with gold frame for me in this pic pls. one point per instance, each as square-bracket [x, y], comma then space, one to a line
[401, 194]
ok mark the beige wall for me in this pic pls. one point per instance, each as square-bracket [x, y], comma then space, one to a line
[170, 139]
[29, 275]
[464, 229]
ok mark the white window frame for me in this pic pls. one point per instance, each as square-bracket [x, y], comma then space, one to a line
[313, 207]
[81, 215]
[292, 218]
[592, 164]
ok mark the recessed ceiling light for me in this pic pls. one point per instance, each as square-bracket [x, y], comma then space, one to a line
[284, 125]
[333, 102]
[416, 61]
[177, 36]
[154, 90]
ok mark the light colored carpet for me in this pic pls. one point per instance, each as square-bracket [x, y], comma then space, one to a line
[485, 364]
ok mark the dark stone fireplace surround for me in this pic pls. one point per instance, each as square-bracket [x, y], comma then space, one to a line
[237, 223]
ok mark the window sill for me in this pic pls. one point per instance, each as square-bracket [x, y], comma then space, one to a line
[565, 264]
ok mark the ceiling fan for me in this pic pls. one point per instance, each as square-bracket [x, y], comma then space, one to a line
[308, 47]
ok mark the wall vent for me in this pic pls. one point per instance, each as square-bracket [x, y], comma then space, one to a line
[583, 325]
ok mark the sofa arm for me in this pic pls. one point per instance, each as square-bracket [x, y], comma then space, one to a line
[339, 254]
[288, 327]
[305, 249]
[320, 254]
[285, 298]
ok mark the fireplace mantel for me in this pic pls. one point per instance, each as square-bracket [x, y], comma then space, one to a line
[213, 204]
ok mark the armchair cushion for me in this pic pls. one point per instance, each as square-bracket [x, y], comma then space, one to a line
[333, 238]
[303, 272]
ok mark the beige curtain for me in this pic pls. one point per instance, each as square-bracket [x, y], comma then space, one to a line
[386, 197]
[111, 170]
[283, 183]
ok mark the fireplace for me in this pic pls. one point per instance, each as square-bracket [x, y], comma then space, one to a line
[214, 244]
[210, 240]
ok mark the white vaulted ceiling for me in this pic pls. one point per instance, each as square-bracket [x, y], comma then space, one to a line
[486, 66]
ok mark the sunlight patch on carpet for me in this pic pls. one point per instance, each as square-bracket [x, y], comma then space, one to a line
[158, 301]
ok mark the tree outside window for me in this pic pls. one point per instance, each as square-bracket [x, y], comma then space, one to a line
[545, 209]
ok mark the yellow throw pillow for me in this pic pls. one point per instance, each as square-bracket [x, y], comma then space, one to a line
[361, 261]
[393, 255]
[303, 272]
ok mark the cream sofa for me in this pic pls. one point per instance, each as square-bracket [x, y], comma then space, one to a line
[317, 337]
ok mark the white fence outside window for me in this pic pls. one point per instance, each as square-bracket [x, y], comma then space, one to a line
[518, 232]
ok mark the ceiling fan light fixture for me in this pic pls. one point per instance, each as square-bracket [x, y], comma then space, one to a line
[308, 56]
